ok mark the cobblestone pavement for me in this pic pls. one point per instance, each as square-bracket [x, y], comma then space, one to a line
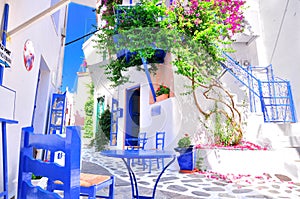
[176, 185]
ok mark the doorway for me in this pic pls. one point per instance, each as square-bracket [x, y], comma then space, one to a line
[40, 110]
[132, 115]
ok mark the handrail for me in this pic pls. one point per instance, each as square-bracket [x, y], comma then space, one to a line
[274, 93]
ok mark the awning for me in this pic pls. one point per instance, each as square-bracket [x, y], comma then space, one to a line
[49, 11]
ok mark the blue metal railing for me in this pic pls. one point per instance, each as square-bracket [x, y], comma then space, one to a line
[272, 96]
[3, 36]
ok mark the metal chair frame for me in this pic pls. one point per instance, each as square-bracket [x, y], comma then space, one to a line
[159, 145]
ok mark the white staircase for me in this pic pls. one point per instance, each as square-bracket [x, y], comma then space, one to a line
[282, 139]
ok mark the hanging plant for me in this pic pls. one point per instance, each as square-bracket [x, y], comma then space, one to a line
[130, 32]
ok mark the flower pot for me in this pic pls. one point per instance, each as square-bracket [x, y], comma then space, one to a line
[186, 159]
[158, 57]
[162, 97]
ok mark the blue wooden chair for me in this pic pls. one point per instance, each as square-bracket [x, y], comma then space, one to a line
[159, 145]
[137, 144]
[64, 177]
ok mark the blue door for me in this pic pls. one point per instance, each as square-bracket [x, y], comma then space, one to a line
[132, 115]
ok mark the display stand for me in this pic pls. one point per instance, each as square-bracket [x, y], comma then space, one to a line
[57, 113]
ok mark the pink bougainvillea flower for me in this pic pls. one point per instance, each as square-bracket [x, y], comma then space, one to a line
[197, 21]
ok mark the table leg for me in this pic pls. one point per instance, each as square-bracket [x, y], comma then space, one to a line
[159, 176]
[133, 181]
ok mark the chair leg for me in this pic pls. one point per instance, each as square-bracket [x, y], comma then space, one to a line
[150, 165]
[157, 162]
[144, 164]
[112, 188]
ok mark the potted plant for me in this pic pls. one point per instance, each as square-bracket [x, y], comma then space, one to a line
[186, 159]
[162, 92]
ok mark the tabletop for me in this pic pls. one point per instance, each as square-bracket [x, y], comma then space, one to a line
[142, 154]
[8, 121]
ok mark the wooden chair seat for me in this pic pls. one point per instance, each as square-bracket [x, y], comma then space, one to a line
[87, 180]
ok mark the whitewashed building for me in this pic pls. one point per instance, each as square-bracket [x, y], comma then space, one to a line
[35, 36]
[81, 95]
[273, 38]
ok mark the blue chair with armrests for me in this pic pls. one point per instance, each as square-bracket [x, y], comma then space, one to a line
[65, 177]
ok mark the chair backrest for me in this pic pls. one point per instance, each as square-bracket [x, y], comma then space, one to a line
[160, 140]
[142, 139]
[69, 174]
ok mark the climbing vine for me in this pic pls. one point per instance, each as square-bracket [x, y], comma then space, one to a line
[196, 32]
[102, 136]
[89, 111]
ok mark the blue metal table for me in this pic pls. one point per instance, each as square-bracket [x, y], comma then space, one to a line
[142, 154]
[3, 122]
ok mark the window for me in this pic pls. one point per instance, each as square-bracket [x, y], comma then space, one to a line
[114, 122]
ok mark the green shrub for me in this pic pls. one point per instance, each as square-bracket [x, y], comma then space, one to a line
[89, 111]
[88, 127]
[103, 133]
[185, 141]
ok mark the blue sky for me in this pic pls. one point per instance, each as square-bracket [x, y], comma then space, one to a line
[80, 22]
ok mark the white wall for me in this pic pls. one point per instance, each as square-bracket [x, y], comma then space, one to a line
[47, 44]
[282, 42]
[277, 25]
[166, 121]
[42, 99]
[70, 117]
[81, 96]
[274, 45]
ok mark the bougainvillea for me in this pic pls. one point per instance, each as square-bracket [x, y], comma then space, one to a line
[207, 27]
[196, 32]
[242, 180]
[243, 145]
[233, 11]
[209, 23]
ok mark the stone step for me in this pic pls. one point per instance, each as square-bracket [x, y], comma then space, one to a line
[285, 129]
[278, 142]
[286, 141]
[272, 134]
[293, 168]
[253, 162]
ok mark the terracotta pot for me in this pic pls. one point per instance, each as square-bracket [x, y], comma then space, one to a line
[162, 97]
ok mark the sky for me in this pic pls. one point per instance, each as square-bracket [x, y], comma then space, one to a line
[81, 20]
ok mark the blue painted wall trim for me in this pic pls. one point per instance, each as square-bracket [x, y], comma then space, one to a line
[149, 78]
[3, 36]
[5, 23]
